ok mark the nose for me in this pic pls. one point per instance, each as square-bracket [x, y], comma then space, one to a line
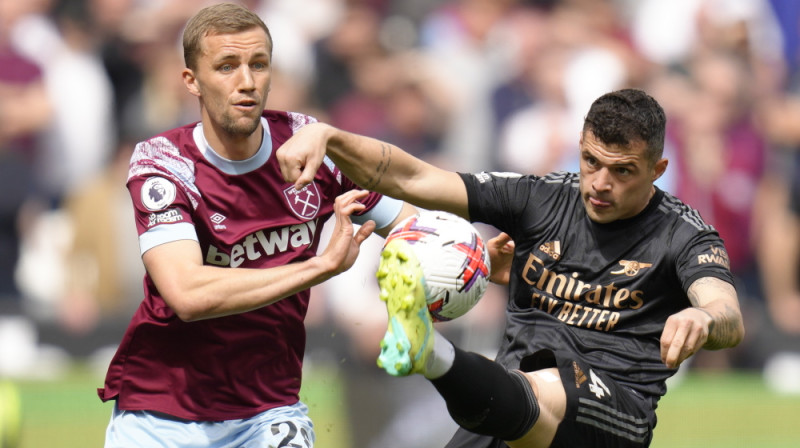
[247, 80]
[601, 181]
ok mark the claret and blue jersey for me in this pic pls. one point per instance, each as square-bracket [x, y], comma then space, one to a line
[242, 214]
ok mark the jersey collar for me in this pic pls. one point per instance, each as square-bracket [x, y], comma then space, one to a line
[234, 167]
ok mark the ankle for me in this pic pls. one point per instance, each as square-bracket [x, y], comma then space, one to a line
[441, 358]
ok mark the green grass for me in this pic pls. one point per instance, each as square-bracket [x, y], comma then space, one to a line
[64, 413]
[68, 414]
[727, 410]
[704, 411]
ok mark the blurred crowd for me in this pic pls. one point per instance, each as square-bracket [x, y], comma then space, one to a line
[468, 84]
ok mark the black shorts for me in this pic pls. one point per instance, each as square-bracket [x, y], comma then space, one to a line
[600, 411]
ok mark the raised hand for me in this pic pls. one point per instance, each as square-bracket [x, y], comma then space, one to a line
[685, 333]
[301, 155]
[345, 243]
[501, 252]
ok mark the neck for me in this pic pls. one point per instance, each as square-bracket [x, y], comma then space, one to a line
[233, 146]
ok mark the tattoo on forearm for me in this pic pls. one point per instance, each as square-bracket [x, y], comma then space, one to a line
[380, 168]
[725, 330]
[711, 324]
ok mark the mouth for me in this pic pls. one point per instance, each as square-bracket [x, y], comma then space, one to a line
[246, 104]
[599, 203]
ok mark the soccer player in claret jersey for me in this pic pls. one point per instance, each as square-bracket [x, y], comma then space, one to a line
[213, 356]
[613, 282]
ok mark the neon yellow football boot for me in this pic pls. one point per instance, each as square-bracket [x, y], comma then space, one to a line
[409, 338]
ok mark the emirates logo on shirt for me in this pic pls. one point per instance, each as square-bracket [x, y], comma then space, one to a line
[304, 203]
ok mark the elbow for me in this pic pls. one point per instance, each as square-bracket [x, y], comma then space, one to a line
[192, 308]
[184, 311]
[185, 306]
[186, 314]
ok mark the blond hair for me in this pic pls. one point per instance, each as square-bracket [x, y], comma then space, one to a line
[223, 18]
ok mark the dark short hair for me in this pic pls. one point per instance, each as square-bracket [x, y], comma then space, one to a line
[222, 18]
[624, 116]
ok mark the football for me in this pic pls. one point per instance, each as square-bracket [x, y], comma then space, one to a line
[453, 258]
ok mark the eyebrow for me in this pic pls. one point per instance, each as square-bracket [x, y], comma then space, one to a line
[628, 164]
[237, 56]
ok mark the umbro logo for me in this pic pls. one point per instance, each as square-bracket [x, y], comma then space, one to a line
[552, 248]
[631, 268]
[217, 219]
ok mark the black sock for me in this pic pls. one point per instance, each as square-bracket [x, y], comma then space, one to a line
[486, 398]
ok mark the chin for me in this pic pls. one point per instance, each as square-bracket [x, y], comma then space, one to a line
[242, 127]
[600, 218]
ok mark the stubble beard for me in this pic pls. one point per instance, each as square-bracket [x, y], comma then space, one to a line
[238, 128]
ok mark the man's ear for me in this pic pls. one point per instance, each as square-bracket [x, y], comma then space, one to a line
[190, 81]
[659, 168]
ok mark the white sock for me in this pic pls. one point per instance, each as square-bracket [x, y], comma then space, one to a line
[441, 358]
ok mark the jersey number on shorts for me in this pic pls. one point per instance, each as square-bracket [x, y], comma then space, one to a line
[290, 429]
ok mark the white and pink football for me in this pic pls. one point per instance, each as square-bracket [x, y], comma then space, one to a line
[453, 257]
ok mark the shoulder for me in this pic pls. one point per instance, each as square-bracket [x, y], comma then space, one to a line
[689, 236]
[513, 201]
[683, 214]
[554, 179]
[554, 190]
[561, 178]
[287, 122]
[167, 154]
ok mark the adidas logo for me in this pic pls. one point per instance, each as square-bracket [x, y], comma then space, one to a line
[552, 248]
[580, 377]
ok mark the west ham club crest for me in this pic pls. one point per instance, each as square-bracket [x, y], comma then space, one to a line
[304, 203]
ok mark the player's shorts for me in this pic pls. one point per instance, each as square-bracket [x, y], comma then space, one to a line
[286, 426]
[600, 412]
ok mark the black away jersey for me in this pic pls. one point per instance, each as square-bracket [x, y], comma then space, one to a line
[600, 291]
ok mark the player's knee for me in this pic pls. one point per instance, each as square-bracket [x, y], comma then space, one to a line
[509, 416]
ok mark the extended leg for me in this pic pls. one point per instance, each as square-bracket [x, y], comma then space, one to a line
[486, 398]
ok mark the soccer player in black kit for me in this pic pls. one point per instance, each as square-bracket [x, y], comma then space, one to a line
[613, 282]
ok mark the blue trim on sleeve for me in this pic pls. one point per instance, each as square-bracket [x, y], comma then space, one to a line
[166, 233]
[384, 212]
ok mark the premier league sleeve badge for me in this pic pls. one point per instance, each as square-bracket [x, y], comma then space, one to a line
[157, 193]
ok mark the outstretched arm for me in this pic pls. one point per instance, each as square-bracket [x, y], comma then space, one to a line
[713, 322]
[198, 291]
[374, 165]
